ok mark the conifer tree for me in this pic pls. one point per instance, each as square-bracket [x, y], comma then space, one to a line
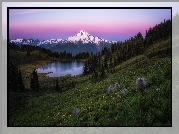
[57, 87]
[102, 71]
[96, 74]
[105, 64]
[86, 68]
[21, 84]
[15, 78]
[28, 53]
[34, 81]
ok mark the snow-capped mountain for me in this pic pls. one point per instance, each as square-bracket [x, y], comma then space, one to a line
[36, 42]
[86, 38]
[82, 36]
[80, 42]
[26, 41]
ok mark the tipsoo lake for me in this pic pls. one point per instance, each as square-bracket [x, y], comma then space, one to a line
[62, 68]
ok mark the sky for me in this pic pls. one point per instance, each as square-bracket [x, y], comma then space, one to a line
[110, 24]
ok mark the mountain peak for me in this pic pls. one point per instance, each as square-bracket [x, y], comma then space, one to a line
[86, 38]
[81, 33]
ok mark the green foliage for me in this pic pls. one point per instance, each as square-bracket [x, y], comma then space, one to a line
[17, 103]
[21, 84]
[15, 78]
[98, 107]
[122, 51]
[34, 83]
[28, 53]
[57, 87]
[102, 74]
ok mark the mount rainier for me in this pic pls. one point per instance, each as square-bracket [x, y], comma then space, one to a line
[86, 38]
[81, 42]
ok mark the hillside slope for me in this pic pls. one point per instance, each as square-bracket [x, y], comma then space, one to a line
[94, 105]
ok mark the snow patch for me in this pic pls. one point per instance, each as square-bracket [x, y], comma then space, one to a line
[81, 35]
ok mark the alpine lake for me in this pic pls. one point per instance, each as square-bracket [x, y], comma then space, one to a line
[62, 68]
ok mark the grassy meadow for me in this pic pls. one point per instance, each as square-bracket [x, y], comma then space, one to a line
[87, 103]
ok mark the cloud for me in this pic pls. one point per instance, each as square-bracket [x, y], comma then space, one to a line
[22, 11]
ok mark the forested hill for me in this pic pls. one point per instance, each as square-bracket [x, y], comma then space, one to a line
[27, 53]
[137, 45]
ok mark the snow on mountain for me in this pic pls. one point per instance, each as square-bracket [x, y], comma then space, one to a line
[80, 36]
[86, 38]
[16, 41]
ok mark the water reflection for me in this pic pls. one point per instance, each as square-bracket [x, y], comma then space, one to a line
[62, 68]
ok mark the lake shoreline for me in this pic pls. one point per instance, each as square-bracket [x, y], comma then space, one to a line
[62, 68]
[83, 60]
[27, 69]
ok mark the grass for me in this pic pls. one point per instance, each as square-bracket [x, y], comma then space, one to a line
[27, 69]
[97, 106]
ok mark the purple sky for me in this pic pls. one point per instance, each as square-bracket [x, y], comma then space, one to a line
[110, 24]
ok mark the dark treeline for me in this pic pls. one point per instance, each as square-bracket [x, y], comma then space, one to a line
[15, 81]
[82, 55]
[99, 64]
[34, 82]
[61, 56]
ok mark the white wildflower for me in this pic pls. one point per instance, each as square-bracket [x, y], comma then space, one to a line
[116, 85]
[158, 89]
[76, 111]
[140, 84]
[110, 89]
[124, 91]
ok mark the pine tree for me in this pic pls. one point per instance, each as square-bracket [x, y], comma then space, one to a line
[11, 76]
[15, 78]
[111, 62]
[105, 64]
[21, 84]
[96, 74]
[86, 68]
[28, 53]
[73, 84]
[57, 87]
[102, 71]
[34, 81]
